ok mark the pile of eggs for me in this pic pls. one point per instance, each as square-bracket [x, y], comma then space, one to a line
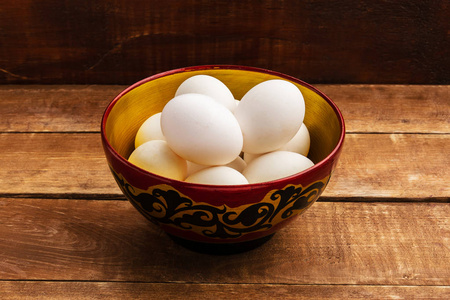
[203, 135]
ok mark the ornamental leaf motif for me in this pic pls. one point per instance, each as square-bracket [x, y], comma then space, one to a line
[164, 205]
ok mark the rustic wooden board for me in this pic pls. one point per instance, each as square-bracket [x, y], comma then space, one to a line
[119, 290]
[35, 163]
[410, 166]
[332, 243]
[74, 108]
[392, 108]
[366, 108]
[319, 41]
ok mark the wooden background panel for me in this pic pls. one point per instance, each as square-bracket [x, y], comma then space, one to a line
[320, 41]
[331, 243]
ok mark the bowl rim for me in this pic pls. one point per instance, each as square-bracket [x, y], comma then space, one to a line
[336, 150]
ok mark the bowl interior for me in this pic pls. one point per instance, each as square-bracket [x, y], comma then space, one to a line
[148, 97]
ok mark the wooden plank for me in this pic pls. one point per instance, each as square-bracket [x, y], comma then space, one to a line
[366, 108]
[372, 166]
[392, 108]
[318, 41]
[56, 163]
[332, 243]
[119, 290]
[393, 166]
[42, 108]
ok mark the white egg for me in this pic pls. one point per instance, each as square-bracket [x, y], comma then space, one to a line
[209, 86]
[276, 165]
[156, 157]
[149, 130]
[217, 175]
[270, 114]
[238, 164]
[300, 142]
[201, 130]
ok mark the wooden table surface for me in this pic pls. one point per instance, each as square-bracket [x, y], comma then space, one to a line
[380, 230]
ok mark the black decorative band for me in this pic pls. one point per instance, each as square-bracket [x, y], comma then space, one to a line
[164, 205]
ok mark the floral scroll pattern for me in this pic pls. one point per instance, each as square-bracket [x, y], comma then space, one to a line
[165, 205]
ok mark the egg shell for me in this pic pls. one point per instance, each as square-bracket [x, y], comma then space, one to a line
[300, 143]
[156, 157]
[238, 164]
[149, 130]
[218, 175]
[210, 86]
[201, 130]
[276, 165]
[269, 115]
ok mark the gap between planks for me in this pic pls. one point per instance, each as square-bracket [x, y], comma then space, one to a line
[118, 197]
[180, 282]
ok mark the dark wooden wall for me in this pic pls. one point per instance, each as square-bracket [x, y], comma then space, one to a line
[323, 41]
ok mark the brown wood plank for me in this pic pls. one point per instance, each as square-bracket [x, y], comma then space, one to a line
[393, 166]
[318, 41]
[410, 166]
[119, 290]
[332, 243]
[54, 163]
[366, 108]
[392, 108]
[72, 108]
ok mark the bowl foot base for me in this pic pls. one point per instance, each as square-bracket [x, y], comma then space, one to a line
[223, 248]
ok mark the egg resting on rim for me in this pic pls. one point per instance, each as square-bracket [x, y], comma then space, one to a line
[156, 157]
[149, 130]
[275, 165]
[218, 175]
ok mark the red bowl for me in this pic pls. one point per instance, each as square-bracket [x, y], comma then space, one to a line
[212, 217]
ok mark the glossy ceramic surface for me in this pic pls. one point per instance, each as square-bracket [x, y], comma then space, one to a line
[218, 214]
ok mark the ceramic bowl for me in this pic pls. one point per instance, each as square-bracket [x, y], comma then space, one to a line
[213, 218]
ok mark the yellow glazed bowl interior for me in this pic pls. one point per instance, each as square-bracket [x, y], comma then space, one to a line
[150, 97]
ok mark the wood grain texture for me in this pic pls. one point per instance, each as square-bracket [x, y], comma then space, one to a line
[187, 291]
[366, 108]
[323, 41]
[54, 108]
[386, 166]
[332, 243]
[392, 108]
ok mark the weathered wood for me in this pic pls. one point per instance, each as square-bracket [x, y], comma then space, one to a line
[409, 166]
[366, 108]
[392, 108]
[67, 108]
[186, 291]
[319, 41]
[393, 166]
[332, 243]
